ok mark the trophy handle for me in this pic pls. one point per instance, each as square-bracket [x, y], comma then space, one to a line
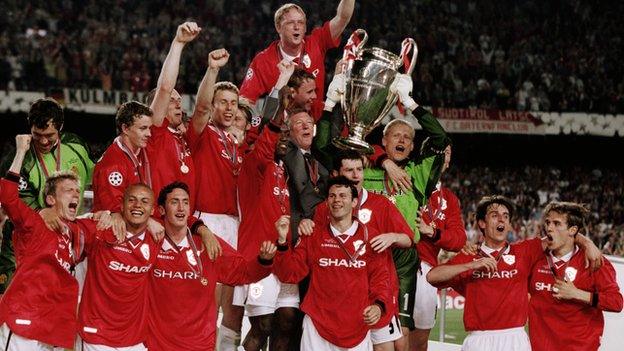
[354, 45]
[408, 63]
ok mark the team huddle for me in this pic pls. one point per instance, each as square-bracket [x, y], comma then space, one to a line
[258, 214]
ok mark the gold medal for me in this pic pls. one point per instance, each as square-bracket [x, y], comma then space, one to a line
[204, 281]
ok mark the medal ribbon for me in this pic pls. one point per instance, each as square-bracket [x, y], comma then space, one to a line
[71, 248]
[356, 254]
[282, 185]
[193, 248]
[388, 188]
[553, 267]
[433, 214]
[297, 59]
[181, 146]
[312, 167]
[232, 153]
[42, 164]
[145, 176]
[498, 256]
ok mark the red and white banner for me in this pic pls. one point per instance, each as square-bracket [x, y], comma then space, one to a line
[456, 120]
[454, 301]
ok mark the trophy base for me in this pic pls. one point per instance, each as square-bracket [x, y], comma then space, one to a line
[353, 143]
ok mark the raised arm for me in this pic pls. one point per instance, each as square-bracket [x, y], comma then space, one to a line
[442, 275]
[185, 33]
[16, 210]
[290, 265]
[343, 15]
[201, 114]
[22, 145]
[272, 101]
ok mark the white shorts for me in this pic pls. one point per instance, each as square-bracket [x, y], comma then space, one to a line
[13, 342]
[391, 332]
[512, 339]
[426, 301]
[312, 341]
[267, 295]
[93, 347]
[224, 226]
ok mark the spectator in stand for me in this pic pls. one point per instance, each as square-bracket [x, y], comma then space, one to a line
[307, 51]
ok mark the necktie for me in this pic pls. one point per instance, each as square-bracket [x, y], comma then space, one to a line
[311, 167]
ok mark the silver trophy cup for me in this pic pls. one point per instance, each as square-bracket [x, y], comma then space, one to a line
[367, 98]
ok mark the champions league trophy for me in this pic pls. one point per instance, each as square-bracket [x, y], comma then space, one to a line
[367, 99]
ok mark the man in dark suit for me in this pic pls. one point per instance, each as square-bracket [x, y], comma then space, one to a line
[307, 182]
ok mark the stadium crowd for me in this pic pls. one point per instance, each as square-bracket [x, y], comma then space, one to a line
[531, 187]
[530, 55]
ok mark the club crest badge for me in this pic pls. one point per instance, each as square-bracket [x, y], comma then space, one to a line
[364, 215]
[306, 61]
[115, 178]
[249, 74]
[509, 259]
[145, 251]
[191, 258]
[255, 290]
[359, 247]
[570, 274]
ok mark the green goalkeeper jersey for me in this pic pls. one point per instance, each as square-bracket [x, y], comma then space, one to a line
[424, 170]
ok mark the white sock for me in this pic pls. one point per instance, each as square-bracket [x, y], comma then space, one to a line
[228, 339]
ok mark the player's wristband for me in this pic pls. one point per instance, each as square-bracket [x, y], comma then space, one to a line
[264, 262]
[196, 225]
[280, 246]
[274, 127]
[436, 235]
[381, 305]
[594, 300]
[14, 177]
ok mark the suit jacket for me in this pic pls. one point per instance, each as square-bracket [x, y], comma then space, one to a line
[303, 196]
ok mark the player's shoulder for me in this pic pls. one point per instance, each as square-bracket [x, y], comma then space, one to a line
[110, 155]
[267, 55]
[74, 139]
[461, 258]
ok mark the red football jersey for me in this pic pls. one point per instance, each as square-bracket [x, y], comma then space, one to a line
[170, 156]
[213, 153]
[262, 73]
[342, 283]
[113, 309]
[564, 324]
[177, 297]
[263, 195]
[41, 301]
[443, 207]
[112, 175]
[378, 213]
[497, 300]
